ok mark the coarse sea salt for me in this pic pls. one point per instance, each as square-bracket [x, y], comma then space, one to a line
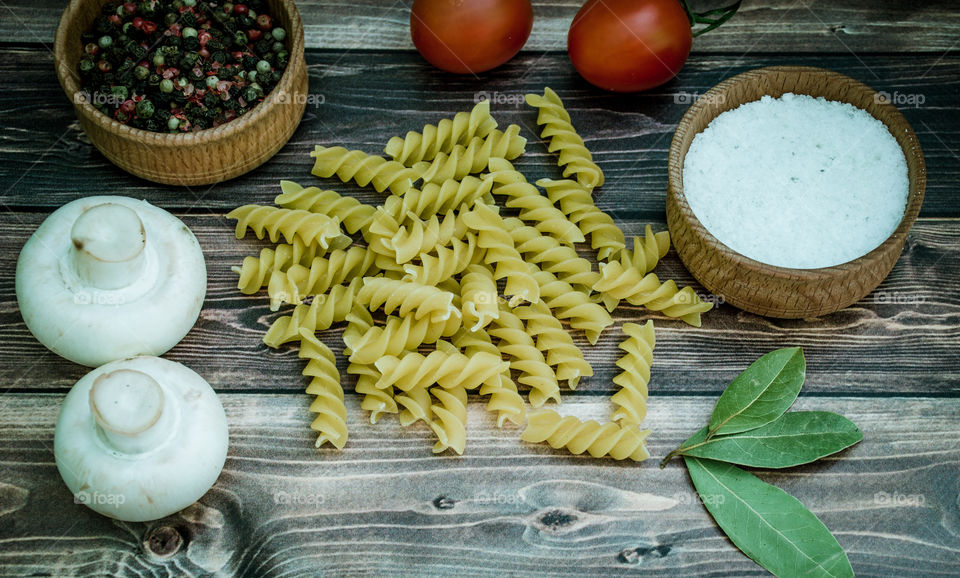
[797, 181]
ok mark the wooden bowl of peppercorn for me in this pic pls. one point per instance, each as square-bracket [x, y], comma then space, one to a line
[225, 139]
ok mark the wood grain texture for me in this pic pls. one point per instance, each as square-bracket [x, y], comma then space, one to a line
[361, 99]
[761, 25]
[902, 339]
[282, 508]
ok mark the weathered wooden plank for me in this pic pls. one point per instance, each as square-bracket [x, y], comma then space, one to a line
[902, 339]
[387, 505]
[768, 25]
[361, 99]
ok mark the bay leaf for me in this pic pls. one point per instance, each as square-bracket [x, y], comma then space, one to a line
[766, 523]
[795, 438]
[761, 394]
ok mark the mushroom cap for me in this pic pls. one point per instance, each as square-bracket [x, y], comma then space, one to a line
[90, 325]
[185, 449]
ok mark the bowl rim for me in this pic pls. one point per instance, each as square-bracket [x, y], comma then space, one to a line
[69, 81]
[675, 176]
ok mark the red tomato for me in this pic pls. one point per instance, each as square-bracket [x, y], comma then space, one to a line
[629, 45]
[470, 35]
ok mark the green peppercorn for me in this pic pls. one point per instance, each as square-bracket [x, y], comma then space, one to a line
[188, 32]
[173, 123]
[87, 65]
[212, 81]
[252, 76]
[105, 41]
[120, 91]
[278, 34]
[170, 18]
[145, 109]
[189, 3]
[158, 59]
[141, 72]
[154, 80]
[240, 39]
[250, 94]
[263, 66]
[182, 82]
[277, 47]
[166, 85]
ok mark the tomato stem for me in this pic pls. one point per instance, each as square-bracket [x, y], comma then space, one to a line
[711, 18]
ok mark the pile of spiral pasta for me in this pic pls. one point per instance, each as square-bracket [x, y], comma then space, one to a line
[441, 295]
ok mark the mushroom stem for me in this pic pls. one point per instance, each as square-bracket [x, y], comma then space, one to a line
[108, 242]
[128, 406]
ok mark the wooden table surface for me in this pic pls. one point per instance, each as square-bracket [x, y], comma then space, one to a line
[386, 504]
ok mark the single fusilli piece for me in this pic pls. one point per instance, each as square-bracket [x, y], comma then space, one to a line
[534, 208]
[647, 250]
[325, 310]
[638, 289]
[505, 400]
[571, 305]
[404, 241]
[608, 439]
[353, 214]
[363, 169]
[255, 271]
[500, 252]
[407, 298]
[514, 342]
[473, 158]
[394, 337]
[445, 366]
[434, 199]
[376, 401]
[447, 262]
[478, 291]
[550, 255]
[290, 223]
[450, 423]
[555, 343]
[576, 202]
[338, 267]
[424, 145]
[331, 420]
[631, 400]
[575, 159]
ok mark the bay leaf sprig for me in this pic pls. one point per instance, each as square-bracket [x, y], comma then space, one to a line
[750, 426]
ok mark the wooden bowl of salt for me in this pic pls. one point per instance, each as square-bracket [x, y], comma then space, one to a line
[795, 206]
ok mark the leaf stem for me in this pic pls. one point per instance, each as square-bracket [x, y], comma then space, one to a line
[711, 18]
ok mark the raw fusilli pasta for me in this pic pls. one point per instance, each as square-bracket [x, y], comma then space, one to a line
[424, 145]
[479, 297]
[575, 159]
[504, 398]
[514, 342]
[492, 236]
[255, 271]
[631, 400]
[376, 401]
[534, 208]
[638, 289]
[555, 343]
[445, 366]
[473, 158]
[450, 425]
[394, 337]
[569, 304]
[550, 255]
[576, 202]
[363, 169]
[434, 198]
[297, 282]
[647, 250]
[273, 221]
[353, 214]
[446, 263]
[608, 439]
[325, 310]
[407, 298]
[331, 420]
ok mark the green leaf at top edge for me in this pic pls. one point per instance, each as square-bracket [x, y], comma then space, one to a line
[766, 523]
[761, 394]
[795, 438]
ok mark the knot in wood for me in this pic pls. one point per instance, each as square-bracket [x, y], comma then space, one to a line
[162, 542]
[444, 503]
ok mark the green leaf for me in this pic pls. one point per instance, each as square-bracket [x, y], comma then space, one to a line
[760, 394]
[797, 437]
[766, 523]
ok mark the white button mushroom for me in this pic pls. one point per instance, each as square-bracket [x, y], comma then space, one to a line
[141, 438]
[108, 277]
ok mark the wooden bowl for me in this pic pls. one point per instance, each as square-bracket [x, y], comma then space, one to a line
[766, 289]
[194, 158]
